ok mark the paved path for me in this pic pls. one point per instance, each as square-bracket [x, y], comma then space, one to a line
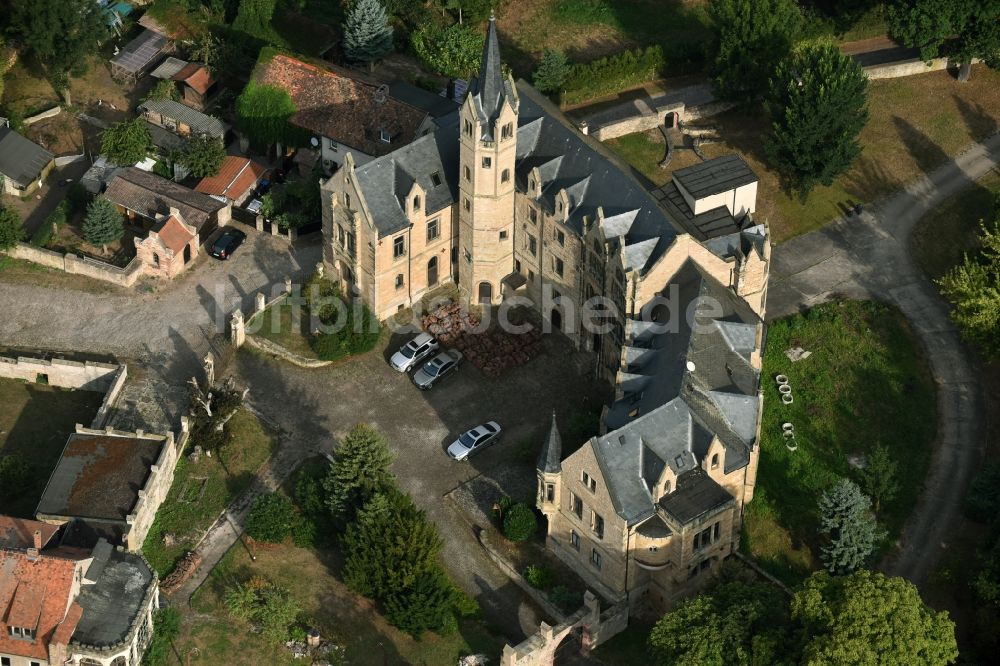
[870, 258]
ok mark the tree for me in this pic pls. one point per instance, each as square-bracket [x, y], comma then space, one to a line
[751, 38]
[733, 623]
[202, 156]
[127, 142]
[254, 17]
[973, 288]
[879, 477]
[453, 51]
[264, 604]
[11, 231]
[60, 34]
[519, 523]
[982, 503]
[165, 89]
[868, 618]
[817, 106]
[552, 71]
[426, 605]
[15, 474]
[358, 472]
[367, 33]
[262, 112]
[103, 223]
[271, 518]
[850, 528]
[966, 29]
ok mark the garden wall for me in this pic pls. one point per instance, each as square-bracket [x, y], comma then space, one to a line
[79, 265]
[894, 70]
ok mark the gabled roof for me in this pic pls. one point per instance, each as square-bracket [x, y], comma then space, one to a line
[173, 234]
[197, 76]
[149, 195]
[199, 122]
[21, 160]
[337, 106]
[19, 533]
[34, 593]
[237, 175]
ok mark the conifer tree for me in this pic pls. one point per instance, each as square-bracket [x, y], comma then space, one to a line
[359, 471]
[552, 71]
[817, 106]
[846, 520]
[103, 223]
[367, 33]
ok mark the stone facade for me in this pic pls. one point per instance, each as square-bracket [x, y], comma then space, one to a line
[169, 246]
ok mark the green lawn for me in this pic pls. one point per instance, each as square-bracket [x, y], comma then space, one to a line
[946, 233]
[865, 384]
[326, 603]
[916, 123]
[277, 324]
[201, 490]
[35, 421]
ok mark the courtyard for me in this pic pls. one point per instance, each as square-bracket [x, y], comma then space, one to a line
[35, 421]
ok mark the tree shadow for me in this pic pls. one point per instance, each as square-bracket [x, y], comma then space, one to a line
[978, 120]
[927, 154]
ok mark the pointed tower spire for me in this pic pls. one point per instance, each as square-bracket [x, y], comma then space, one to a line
[490, 85]
[550, 458]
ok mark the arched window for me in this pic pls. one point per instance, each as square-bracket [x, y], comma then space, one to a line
[715, 461]
[416, 203]
[156, 260]
[505, 176]
[485, 292]
[399, 281]
[468, 173]
[432, 272]
[347, 199]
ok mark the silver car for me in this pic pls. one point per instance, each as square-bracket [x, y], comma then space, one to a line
[436, 368]
[414, 352]
[474, 440]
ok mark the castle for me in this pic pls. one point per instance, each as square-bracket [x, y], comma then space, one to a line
[507, 198]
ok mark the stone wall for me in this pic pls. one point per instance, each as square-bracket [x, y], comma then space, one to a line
[79, 265]
[114, 390]
[893, 70]
[88, 376]
[157, 486]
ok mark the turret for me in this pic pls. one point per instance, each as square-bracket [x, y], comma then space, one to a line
[549, 471]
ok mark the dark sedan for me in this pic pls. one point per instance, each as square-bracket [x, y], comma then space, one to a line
[227, 243]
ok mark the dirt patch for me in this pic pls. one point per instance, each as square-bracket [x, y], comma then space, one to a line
[492, 352]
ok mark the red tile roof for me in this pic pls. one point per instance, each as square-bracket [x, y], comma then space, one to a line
[197, 76]
[342, 108]
[35, 593]
[238, 174]
[174, 235]
[19, 533]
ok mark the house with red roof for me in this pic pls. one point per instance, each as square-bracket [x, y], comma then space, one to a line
[169, 247]
[236, 180]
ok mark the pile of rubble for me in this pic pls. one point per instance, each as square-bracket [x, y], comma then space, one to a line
[492, 352]
[184, 570]
[319, 652]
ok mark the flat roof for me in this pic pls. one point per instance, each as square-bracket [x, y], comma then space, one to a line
[99, 476]
[714, 176]
[113, 602]
[141, 51]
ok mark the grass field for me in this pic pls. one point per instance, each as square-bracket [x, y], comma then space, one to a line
[279, 326]
[945, 234]
[865, 384]
[201, 490]
[35, 421]
[916, 123]
[326, 603]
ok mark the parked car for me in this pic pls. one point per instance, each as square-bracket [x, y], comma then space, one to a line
[436, 368]
[227, 243]
[414, 352]
[475, 440]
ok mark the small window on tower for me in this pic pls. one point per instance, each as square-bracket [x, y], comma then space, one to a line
[507, 131]
[487, 163]
[468, 173]
[503, 235]
[468, 128]
[468, 206]
[384, 136]
[505, 175]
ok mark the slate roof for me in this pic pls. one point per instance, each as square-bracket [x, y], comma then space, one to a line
[99, 476]
[551, 454]
[670, 410]
[437, 106]
[34, 592]
[340, 107]
[148, 194]
[199, 122]
[237, 175]
[21, 160]
[710, 224]
[714, 176]
[491, 88]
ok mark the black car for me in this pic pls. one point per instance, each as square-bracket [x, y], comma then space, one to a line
[227, 243]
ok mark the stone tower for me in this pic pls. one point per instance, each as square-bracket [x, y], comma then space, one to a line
[549, 470]
[488, 140]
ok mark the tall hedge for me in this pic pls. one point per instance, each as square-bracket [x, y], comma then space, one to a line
[613, 73]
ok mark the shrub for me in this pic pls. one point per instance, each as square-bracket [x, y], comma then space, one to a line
[15, 472]
[613, 73]
[353, 330]
[465, 605]
[520, 524]
[56, 219]
[11, 231]
[540, 577]
[983, 501]
[565, 598]
[271, 518]
[266, 605]
[166, 627]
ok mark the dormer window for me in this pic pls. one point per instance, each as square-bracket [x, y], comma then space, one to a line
[507, 131]
[384, 136]
[21, 632]
[715, 461]
[436, 179]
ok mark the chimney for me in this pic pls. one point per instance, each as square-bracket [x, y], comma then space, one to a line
[38, 539]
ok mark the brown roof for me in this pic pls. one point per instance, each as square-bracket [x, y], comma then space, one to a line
[197, 76]
[35, 593]
[19, 533]
[238, 174]
[148, 195]
[174, 234]
[340, 107]
[99, 476]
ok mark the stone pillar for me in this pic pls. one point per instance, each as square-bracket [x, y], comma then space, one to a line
[260, 302]
[293, 234]
[237, 333]
[288, 284]
[209, 369]
[259, 222]
[319, 269]
[274, 228]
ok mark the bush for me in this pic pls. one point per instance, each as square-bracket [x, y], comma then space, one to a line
[11, 231]
[465, 605]
[271, 518]
[540, 577]
[565, 598]
[15, 472]
[166, 627]
[355, 330]
[268, 606]
[520, 524]
[613, 73]
[982, 504]
[56, 219]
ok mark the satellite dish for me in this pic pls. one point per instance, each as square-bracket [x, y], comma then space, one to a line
[314, 142]
[690, 366]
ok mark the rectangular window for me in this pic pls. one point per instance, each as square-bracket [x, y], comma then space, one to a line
[347, 200]
[716, 531]
[503, 235]
[559, 266]
[468, 255]
[574, 539]
[341, 236]
[517, 266]
[531, 276]
[384, 136]
[399, 281]
[550, 492]
[398, 247]
[577, 505]
[436, 178]
[532, 245]
[468, 206]
[595, 558]
[507, 131]
[560, 237]
[468, 128]
[433, 229]
[533, 215]
[597, 524]
[487, 163]
[4, 661]
[350, 244]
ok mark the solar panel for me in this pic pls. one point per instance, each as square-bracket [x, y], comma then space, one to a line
[138, 53]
